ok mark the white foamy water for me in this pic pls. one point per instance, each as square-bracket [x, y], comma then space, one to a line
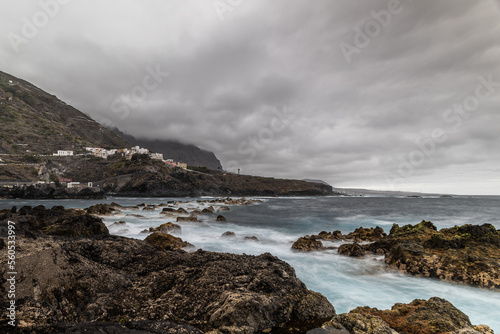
[346, 282]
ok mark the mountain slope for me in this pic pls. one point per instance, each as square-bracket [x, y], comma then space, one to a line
[190, 154]
[40, 123]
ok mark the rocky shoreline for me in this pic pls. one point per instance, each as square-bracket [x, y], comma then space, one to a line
[74, 277]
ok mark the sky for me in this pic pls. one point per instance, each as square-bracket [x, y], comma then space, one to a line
[390, 95]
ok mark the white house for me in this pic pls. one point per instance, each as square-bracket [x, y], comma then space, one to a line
[156, 156]
[62, 153]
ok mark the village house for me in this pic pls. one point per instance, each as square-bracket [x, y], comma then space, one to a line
[156, 156]
[63, 153]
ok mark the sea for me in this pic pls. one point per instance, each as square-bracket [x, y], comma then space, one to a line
[346, 282]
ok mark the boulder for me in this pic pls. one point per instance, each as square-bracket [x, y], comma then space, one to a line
[181, 211]
[167, 228]
[354, 250]
[307, 244]
[252, 238]
[210, 209]
[165, 241]
[220, 218]
[228, 234]
[222, 209]
[101, 209]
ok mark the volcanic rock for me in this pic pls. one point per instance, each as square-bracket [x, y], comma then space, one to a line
[307, 244]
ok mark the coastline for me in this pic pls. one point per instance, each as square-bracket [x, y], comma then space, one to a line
[211, 199]
[142, 281]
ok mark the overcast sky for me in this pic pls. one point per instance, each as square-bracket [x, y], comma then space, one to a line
[375, 94]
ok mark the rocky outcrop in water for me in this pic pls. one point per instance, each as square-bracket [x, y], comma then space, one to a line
[71, 272]
[307, 244]
[313, 242]
[101, 209]
[469, 254]
[433, 316]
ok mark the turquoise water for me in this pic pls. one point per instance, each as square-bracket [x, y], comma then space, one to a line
[346, 282]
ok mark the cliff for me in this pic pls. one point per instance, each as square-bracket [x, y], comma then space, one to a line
[33, 121]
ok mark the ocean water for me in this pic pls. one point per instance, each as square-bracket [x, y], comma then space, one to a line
[346, 282]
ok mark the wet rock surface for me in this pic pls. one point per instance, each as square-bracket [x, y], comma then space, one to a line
[165, 241]
[83, 275]
[354, 250]
[469, 253]
[307, 244]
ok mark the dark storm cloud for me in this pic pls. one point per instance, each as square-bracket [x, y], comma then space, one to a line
[269, 89]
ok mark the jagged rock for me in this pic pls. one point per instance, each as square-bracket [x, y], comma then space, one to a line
[307, 244]
[220, 218]
[353, 249]
[115, 205]
[228, 234]
[167, 228]
[208, 210]
[64, 282]
[101, 209]
[181, 210]
[165, 241]
[331, 236]
[187, 219]
[468, 253]
[366, 234]
[149, 208]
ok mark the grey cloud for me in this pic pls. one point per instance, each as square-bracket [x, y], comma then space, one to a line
[349, 123]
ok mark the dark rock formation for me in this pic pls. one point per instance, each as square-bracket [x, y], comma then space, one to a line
[353, 249]
[167, 228]
[307, 244]
[220, 218]
[98, 278]
[228, 234]
[252, 238]
[165, 241]
[468, 253]
[366, 234]
[101, 209]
